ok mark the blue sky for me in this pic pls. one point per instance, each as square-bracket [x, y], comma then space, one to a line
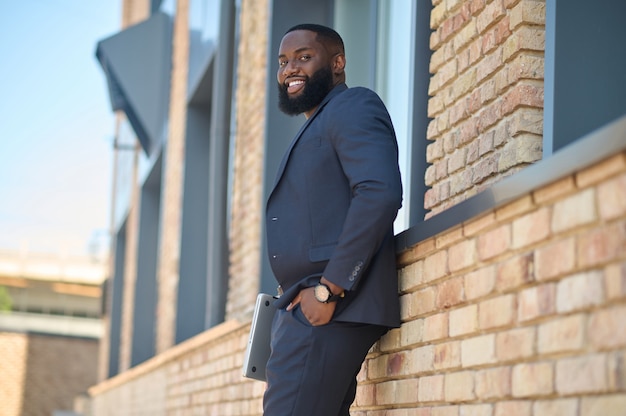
[56, 125]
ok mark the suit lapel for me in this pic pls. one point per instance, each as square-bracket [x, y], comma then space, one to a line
[281, 168]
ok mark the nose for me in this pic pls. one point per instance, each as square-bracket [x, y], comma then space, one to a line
[289, 68]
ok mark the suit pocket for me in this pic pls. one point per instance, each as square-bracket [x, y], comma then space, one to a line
[321, 253]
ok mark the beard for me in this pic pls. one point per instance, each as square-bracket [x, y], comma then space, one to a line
[315, 89]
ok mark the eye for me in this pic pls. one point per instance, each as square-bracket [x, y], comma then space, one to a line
[305, 58]
[282, 62]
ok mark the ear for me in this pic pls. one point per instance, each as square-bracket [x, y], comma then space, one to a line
[339, 63]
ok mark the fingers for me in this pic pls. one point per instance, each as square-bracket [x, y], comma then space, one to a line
[294, 302]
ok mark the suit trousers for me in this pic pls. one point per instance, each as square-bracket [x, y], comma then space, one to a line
[312, 369]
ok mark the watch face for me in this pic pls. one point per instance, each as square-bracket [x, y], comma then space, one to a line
[322, 293]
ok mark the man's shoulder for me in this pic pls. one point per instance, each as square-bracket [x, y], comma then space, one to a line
[353, 96]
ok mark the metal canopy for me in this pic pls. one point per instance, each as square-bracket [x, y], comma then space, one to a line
[137, 65]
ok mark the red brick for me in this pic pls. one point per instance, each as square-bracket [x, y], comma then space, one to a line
[476, 409]
[480, 283]
[411, 332]
[476, 6]
[580, 291]
[489, 65]
[436, 327]
[617, 371]
[492, 13]
[463, 320]
[516, 208]
[555, 190]
[497, 312]
[485, 168]
[531, 228]
[365, 395]
[423, 301]
[435, 266]
[586, 374]
[563, 334]
[411, 276]
[478, 351]
[444, 411]
[607, 328]
[486, 142]
[450, 293]
[602, 244]
[529, 121]
[515, 344]
[574, 211]
[421, 360]
[555, 259]
[615, 281]
[489, 116]
[459, 386]
[396, 392]
[493, 383]
[532, 379]
[612, 198]
[447, 355]
[462, 255]
[513, 408]
[430, 388]
[612, 405]
[556, 407]
[525, 95]
[536, 302]
[514, 273]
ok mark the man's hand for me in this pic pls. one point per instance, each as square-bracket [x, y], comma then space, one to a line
[316, 312]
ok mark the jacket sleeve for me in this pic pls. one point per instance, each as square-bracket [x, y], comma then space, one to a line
[363, 137]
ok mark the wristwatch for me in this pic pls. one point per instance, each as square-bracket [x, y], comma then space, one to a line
[323, 294]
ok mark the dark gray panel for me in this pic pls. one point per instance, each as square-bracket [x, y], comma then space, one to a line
[137, 64]
[589, 66]
[144, 306]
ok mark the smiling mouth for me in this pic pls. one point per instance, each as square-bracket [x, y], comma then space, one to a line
[294, 86]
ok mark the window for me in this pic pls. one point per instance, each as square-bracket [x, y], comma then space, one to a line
[390, 55]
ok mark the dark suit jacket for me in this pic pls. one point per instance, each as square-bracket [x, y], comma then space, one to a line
[331, 212]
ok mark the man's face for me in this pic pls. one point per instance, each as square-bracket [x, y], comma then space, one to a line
[304, 73]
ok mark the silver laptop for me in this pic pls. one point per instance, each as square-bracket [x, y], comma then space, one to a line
[258, 349]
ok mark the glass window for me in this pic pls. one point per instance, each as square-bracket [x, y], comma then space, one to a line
[394, 83]
[378, 36]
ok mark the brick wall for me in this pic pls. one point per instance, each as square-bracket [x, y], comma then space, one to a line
[521, 311]
[43, 373]
[486, 95]
[247, 204]
[199, 376]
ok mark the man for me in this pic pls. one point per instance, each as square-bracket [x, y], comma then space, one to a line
[330, 230]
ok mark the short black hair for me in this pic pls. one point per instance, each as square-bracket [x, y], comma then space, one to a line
[325, 35]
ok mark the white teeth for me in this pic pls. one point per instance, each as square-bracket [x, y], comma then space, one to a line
[292, 83]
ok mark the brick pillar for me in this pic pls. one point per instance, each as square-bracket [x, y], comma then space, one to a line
[247, 205]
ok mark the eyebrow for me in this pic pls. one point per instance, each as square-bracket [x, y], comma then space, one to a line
[297, 51]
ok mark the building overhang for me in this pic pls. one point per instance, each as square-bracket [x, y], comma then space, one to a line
[137, 65]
